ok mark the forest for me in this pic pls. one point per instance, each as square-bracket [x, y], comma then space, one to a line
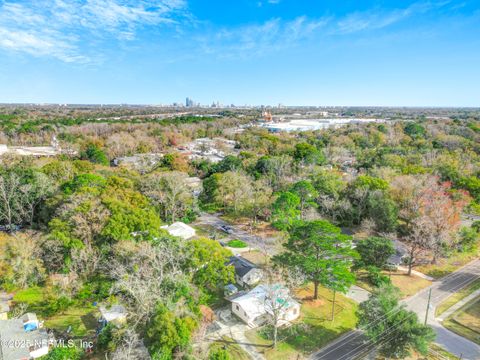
[79, 231]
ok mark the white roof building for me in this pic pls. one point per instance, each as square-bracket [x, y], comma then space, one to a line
[116, 314]
[180, 229]
[257, 306]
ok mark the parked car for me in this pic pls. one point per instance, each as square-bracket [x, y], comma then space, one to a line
[227, 229]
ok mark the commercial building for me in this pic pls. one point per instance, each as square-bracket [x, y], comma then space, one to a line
[315, 124]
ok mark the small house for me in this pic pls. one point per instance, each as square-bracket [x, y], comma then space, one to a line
[116, 314]
[257, 306]
[180, 230]
[246, 273]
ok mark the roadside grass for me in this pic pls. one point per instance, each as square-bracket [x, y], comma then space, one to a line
[466, 321]
[236, 244]
[312, 330]
[408, 285]
[232, 348]
[435, 353]
[437, 350]
[82, 320]
[456, 297]
[205, 230]
[445, 266]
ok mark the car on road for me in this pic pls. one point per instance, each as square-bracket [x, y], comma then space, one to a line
[226, 228]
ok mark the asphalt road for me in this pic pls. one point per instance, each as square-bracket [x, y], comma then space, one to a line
[354, 344]
[268, 244]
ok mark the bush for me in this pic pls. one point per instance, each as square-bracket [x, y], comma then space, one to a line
[219, 354]
[64, 353]
[238, 244]
[468, 239]
[95, 155]
[376, 278]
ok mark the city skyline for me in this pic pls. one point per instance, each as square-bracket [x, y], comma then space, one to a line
[371, 53]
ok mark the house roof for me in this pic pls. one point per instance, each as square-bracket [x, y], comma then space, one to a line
[180, 229]
[13, 332]
[242, 266]
[113, 313]
[254, 302]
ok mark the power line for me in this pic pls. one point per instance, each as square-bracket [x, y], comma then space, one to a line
[449, 277]
[390, 330]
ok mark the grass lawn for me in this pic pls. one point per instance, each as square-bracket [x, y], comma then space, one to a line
[30, 296]
[313, 330]
[466, 321]
[233, 349]
[256, 257]
[448, 265]
[408, 285]
[83, 321]
[453, 299]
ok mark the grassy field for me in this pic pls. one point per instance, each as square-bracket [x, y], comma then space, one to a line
[408, 285]
[30, 296]
[448, 265]
[313, 330]
[452, 300]
[82, 320]
[466, 321]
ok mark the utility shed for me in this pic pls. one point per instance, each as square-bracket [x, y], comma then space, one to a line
[116, 314]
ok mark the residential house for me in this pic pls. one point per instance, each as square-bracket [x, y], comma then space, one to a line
[259, 305]
[246, 273]
[22, 339]
[115, 314]
[181, 230]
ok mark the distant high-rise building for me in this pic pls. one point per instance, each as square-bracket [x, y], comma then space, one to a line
[189, 102]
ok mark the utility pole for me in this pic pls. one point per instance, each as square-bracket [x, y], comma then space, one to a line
[428, 305]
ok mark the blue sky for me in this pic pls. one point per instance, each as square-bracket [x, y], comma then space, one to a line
[294, 52]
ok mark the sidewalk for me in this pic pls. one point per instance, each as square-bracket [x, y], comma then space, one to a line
[416, 273]
[458, 305]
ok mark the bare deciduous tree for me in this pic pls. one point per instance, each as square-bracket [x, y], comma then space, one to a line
[145, 276]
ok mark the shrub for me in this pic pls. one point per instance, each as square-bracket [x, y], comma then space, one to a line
[238, 244]
[218, 354]
[376, 278]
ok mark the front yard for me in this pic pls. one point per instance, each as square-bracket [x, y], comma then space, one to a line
[408, 285]
[445, 266]
[466, 321]
[81, 320]
[312, 330]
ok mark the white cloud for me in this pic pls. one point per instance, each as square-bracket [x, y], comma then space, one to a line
[258, 39]
[58, 28]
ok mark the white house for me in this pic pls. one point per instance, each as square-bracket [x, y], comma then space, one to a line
[180, 229]
[246, 273]
[259, 305]
[116, 314]
[30, 341]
